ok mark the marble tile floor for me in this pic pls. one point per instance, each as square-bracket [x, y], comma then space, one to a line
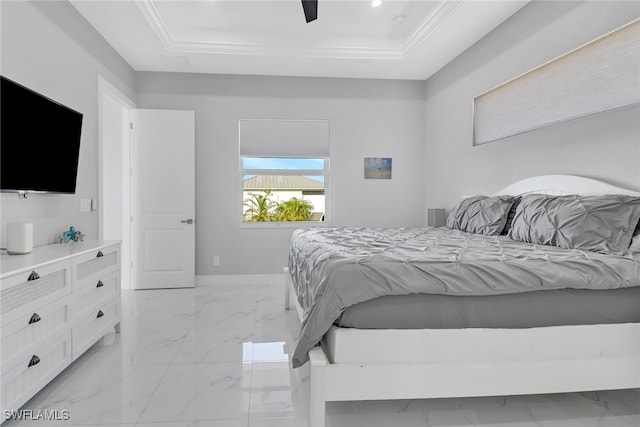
[220, 357]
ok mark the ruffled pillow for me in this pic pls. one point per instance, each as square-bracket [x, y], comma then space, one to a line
[480, 214]
[594, 223]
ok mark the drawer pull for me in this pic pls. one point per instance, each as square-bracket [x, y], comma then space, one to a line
[34, 361]
[35, 318]
[33, 276]
[99, 254]
[100, 284]
[100, 314]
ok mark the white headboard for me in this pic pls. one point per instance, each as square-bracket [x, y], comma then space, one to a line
[564, 184]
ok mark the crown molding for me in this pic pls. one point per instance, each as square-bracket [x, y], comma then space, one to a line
[156, 23]
[430, 25]
[171, 45]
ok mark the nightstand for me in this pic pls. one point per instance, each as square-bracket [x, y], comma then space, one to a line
[436, 218]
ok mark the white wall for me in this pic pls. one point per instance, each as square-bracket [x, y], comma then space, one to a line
[605, 146]
[368, 118]
[50, 48]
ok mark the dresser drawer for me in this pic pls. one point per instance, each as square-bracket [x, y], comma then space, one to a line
[26, 376]
[92, 266]
[95, 294]
[37, 287]
[25, 334]
[94, 326]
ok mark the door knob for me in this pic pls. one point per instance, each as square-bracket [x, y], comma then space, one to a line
[187, 221]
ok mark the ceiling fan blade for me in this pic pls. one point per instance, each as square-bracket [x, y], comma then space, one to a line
[310, 9]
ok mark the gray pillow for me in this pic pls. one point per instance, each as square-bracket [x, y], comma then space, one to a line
[594, 223]
[480, 214]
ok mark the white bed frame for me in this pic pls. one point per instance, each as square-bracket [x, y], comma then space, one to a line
[477, 362]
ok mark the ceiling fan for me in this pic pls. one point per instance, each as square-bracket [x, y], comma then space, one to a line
[310, 10]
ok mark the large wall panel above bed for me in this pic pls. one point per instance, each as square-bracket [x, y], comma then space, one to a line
[599, 76]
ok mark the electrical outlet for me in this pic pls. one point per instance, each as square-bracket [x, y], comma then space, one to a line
[85, 205]
[216, 260]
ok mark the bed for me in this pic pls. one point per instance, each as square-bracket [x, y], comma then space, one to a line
[465, 355]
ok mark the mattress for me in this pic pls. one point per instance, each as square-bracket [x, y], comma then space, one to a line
[333, 269]
[522, 310]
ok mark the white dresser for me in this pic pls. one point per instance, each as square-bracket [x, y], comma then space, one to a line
[55, 303]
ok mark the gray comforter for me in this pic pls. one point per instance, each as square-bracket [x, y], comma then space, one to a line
[334, 268]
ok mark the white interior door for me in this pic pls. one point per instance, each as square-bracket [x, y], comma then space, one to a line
[163, 152]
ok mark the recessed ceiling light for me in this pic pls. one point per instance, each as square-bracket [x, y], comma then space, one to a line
[376, 3]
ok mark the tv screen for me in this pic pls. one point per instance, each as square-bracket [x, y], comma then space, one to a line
[39, 141]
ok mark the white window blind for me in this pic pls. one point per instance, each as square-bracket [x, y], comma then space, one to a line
[599, 76]
[281, 138]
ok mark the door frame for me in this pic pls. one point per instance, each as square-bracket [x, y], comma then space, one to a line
[114, 220]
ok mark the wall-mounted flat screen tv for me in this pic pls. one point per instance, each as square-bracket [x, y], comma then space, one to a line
[39, 141]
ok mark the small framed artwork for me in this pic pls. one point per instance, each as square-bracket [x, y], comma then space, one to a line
[377, 168]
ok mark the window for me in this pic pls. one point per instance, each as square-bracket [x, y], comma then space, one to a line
[284, 170]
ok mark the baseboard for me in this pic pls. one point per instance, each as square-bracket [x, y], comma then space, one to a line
[240, 279]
